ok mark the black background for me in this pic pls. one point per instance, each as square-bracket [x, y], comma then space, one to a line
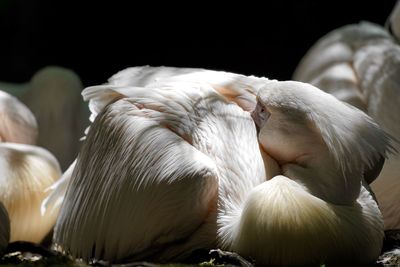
[98, 38]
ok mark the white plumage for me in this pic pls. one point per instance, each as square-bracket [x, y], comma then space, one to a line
[360, 64]
[17, 123]
[165, 142]
[173, 165]
[26, 171]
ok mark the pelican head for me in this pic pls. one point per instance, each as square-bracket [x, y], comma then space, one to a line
[309, 131]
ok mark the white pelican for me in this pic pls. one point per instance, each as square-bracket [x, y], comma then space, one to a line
[26, 171]
[360, 64]
[175, 166]
[54, 97]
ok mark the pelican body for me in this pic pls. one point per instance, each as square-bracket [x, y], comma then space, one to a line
[171, 165]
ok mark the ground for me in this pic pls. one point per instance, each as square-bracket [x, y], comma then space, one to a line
[32, 255]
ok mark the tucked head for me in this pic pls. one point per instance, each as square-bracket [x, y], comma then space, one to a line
[300, 124]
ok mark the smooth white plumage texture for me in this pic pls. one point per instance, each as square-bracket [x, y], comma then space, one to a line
[190, 173]
[360, 64]
[167, 144]
[53, 202]
[17, 123]
[235, 87]
[25, 172]
[299, 229]
[53, 96]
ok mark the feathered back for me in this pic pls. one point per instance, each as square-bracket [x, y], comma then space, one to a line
[17, 123]
[379, 66]
[234, 87]
[25, 173]
[352, 137]
[336, 47]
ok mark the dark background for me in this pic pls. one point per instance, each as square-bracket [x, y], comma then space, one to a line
[97, 39]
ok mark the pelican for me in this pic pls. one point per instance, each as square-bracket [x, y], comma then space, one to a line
[53, 96]
[26, 172]
[360, 64]
[172, 166]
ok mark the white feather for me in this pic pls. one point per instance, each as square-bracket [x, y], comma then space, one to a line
[17, 123]
[302, 230]
[26, 171]
[57, 190]
[238, 88]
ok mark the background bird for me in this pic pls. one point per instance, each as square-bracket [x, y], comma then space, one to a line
[360, 64]
[17, 123]
[171, 137]
[53, 96]
[26, 172]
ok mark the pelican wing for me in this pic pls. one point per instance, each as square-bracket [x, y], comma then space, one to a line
[57, 191]
[338, 46]
[238, 88]
[137, 187]
[380, 67]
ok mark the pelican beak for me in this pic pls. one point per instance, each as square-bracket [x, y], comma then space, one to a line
[256, 119]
